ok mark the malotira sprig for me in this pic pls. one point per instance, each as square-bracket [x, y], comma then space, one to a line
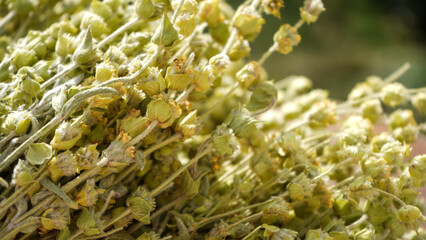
[148, 119]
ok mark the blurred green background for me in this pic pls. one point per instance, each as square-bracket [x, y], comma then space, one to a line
[352, 39]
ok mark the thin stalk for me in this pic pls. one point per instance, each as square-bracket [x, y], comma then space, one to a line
[40, 133]
[252, 233]
[268, 53]
[397, 74]
[299, 24]
[231, 40]
[7, 138]
[145, 133]
[297, 125]
[416, 90]
[315, 222]
[59, 75]
[19, 193]
[177, 10]
[343, 163]
[207, 220]
[7, 19]
[117, 32]
[17, 229]
[358, 222]
[184, 95]
[104, 234]
[68, 187]
[122, 215]
[389, 195]
[105, 206]
[246, 219]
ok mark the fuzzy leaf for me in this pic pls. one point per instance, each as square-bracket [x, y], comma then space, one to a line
[38, 153]
[85, 220]
[58, 192]
[189, 186]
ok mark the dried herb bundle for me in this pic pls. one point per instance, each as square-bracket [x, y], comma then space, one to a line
[146, 120]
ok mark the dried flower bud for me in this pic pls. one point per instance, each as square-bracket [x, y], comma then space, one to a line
[394, 152]
[240, 49]
[286, 38]
[56, 218]
[186, 24]
[393, 94]
[220, 32]
[105, 71]
[165, 34]
[65, 137]
[311, 10]
[117, 55]
[17, 121]
[141, 204]
[221, 139]
[87, 157]
[376, 168]
[96, 24]
[375, 82]
[281, 234]
[360, 91]
[187, 124]
[203, 78]
[152, 81]
[144, 8]
[353, 136]
[64, 44]
[23, 57]
[85, 54]
[401, 118]
[179, 81]
[406, 134]
[419, 102]
[249, 75]
[320, 114]
[22, 173]
[164, 113]
[409, 214]
[88, 195]
[41, 68]
[278, 211]
[30, 83]
[210, 12]
[64, 164]
[379, 140]
[273, 7]
[248, 22]
[219, 63]
[418, 167]
[241, 123]
[372, 109]
[264, 96]
[101, 8]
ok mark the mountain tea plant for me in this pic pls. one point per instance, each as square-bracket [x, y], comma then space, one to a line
[148, 119]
